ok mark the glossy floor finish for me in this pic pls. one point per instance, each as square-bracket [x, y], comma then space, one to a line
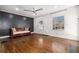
[36, 43]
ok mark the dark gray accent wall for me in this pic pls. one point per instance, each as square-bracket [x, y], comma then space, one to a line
[8, 20]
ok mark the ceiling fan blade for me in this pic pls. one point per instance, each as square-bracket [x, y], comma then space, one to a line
[28, 10]
[39, 9]
[33, 9]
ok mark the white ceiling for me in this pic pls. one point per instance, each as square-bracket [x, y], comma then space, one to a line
[46, 9]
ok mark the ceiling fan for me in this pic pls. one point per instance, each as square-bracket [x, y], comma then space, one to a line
[34, 10]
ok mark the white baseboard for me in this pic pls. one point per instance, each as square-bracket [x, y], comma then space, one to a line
[1, 37]
[66, 36]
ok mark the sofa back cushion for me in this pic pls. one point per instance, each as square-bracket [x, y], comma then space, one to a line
[26, 29]
[20, 29]
[13, 29]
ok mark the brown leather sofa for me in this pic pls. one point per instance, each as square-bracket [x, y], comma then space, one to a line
[19, 32]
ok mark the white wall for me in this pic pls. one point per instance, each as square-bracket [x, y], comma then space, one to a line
[70, 23]
[78, 19]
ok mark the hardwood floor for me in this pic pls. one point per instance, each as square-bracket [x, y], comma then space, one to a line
[37, 43]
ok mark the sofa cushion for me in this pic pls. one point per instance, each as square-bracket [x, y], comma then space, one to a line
[20, 32]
